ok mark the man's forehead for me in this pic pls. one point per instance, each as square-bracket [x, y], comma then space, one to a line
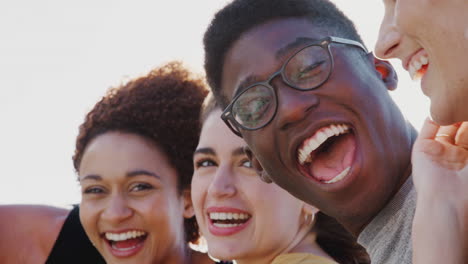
[295, 44]
[280, 55]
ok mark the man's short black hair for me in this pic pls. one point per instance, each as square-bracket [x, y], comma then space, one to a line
[242, 15]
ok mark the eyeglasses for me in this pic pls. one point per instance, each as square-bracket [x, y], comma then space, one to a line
[305, 70]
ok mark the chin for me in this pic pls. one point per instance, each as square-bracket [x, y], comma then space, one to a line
[442, 115]
[222, 254]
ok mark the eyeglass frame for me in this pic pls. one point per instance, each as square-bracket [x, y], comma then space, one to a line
[227, 115]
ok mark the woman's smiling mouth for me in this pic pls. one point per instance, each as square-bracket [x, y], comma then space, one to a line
[418, 64]
[227, 221]
[328, 154]
[125, 244]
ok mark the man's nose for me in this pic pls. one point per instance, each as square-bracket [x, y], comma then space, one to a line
[293, 105]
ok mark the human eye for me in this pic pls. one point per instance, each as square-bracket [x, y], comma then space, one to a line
[246, 163]
[309, 71]
[253, 110]
[205, 162]
[137, 187]
[93, 190]
[252, 106]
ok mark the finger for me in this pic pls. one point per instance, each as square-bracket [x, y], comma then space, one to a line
[425, 142]
[429, 129]
[461, 138]
[447, 134]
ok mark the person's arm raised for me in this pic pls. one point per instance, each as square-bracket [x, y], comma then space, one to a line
[440, 174]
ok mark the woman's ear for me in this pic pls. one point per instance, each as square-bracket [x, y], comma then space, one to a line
[257, 166]
[189, 212]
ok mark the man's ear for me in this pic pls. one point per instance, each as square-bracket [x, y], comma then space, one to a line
[386, 72]
[188, 205]
[257, 166]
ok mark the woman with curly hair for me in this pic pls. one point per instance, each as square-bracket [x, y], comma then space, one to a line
[134, 162]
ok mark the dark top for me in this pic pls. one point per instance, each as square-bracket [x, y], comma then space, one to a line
[72, 245]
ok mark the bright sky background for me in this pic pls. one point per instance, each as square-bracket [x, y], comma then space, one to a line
[57, 58]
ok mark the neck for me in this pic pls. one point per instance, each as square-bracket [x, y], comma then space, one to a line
[356, 226]
[304, 242]
[309, 245]
[197, 257]
[178, 255]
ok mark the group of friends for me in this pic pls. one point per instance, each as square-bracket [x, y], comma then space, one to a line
[292, 151]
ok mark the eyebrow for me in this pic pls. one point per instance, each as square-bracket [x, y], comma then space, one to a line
[92, 177]
[238, 151]
[244, 83]
[129, 174]
[135, 173]
[298, 42]
[208, 151]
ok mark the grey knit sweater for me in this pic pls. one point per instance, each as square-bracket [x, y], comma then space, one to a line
[387, 238]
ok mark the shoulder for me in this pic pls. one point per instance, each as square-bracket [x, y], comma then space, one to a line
[29, 231]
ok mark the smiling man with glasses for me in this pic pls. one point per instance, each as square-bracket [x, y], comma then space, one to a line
[255, 106]
[296, 82]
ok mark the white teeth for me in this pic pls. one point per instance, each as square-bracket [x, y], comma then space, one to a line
[225, 225]
[335, 130]
[416, 64]
[329, 132]
[228, 216]
[124, 236]
[317, 139]
[412, 71]
[424, 60]
[114, 246]
[340, 176]
[321, 137]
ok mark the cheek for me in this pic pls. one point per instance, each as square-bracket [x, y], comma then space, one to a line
[167, 214]
[89, 219]
[260, 142]
[409, 16]
[198, 191]
[281, 217]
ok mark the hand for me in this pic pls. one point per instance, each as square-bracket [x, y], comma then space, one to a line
[440, 160]
[440, 174]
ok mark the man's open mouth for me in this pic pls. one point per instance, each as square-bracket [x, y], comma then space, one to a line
[327, 155]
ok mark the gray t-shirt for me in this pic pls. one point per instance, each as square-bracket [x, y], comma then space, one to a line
[387, 238]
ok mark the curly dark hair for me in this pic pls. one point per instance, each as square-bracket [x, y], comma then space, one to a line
[240, 16]
[164, 107]
[332, 237]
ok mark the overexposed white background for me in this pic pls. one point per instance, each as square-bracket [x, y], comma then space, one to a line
[57, 58]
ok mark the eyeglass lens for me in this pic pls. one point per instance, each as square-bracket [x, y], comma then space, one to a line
[306, 70]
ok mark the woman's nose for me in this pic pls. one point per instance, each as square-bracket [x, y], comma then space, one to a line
[223, 184]
[389, 38]
[117, 209]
